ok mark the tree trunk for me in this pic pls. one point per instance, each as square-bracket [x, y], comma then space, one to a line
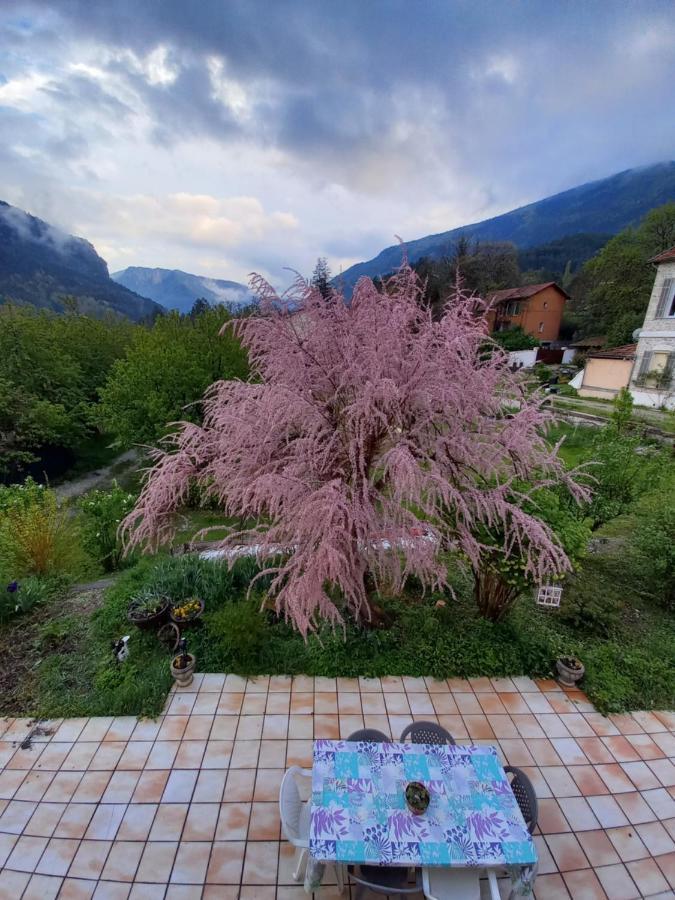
[494, 597]
[374, 616]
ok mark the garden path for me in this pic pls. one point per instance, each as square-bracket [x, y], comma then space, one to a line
[186, 806]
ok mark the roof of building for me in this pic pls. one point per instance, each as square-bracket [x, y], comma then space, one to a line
[666, 256]
[523, 292]
[625, 352]
[595, 341]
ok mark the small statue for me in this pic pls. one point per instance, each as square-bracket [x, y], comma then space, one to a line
[120, 649]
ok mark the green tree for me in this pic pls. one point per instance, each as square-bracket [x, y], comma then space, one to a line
[321, 278]
[623, 410]
[612, 292]
[51, 368]
[165, 372]
[515, 339]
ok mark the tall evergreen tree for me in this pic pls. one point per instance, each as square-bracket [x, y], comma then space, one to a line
[321, 278]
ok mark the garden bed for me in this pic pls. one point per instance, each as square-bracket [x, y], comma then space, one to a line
[68, 668]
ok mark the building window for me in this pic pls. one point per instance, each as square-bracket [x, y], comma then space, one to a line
[666, 305]
[656, 370]
[545, 304]
[541, 327]
[513, 309]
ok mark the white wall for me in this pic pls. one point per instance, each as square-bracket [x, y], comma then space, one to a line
[578, 379]
[526, 358]
[568, 354]
[654, 399]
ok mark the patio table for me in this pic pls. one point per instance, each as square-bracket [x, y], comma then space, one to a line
[359, 815]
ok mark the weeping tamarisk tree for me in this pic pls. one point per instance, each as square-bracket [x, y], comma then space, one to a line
[369, 440]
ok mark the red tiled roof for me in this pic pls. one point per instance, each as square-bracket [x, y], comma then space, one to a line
[666, 256]
[625, 352]
[522, 293]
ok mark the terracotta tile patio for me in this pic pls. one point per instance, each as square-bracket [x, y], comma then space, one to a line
[186, 806]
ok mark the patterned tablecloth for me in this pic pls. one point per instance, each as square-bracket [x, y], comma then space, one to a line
[359, 813]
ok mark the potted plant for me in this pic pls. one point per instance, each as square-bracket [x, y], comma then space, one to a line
[417, 798]
[148, 609]
[570, 670]
[183, 665]
[186, 611]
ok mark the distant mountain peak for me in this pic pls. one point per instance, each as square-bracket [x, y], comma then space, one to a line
[40, 264]
[607, 205]
[176, 289]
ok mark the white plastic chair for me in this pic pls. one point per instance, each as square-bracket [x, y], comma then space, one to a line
[295, 819]
[456, 884]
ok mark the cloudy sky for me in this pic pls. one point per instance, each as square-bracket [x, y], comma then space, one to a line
[225, 136]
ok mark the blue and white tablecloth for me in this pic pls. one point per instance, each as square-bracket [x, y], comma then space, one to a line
[359, 813]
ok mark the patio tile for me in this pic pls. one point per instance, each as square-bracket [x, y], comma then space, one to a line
[635, 808]
[105, 822]
[350, 724]
[468, 704]
[172, 728]
[599, 849]
[191, 863]
[560, 781]
[240, 785]
[200, 823]
[121, 728]
[303, 704]
[226, 862]
[254, 705]
[647, 876]
[107, 756]
[667, 865]
[588, 781]
[661, 802]
[566, 851]
[325, 702]
[260, 862]
[527, 725]
[665, 741]
[89, 859]
[217, 755]
[302, 683]
[551, 817]
[63, 786]
[180, 786]
[516, 752]
[275, 727]
[374, 703]
[478, 727]
[264, 824]
[190, 755]
[272, 752]
[75, 820]
[80, 756]
[607, 811]
[26, 853]
[24, 758]
[16, 816]
[42, 887]
[7, 842]
[576, 725]
[267, 784]
[615, 778]
[111, 890]
[641, 775]
[230, 704]
[655, 838]
[420, 704]
[649, 722]
[12, 884]
[233, 821]
[147, 891]
[627, 843]
[584, 885]
[69, 730]
[621, 749]
[121, 787]
[212, 683]
[662, 768]
[595, 751]
[514, 703]
[198, 728]
[34, 786]
[326, 727]
[537, 703]
[323, 684]
[245, 754]
[10, 781]
[45, 819]
[600, 724]
[280, 703]
[57, 856]
[150, 786]
[224, 728]
[443, 704]
[543, 752]
[168, 823]
[137, 822]
[551, 887]
[210, 786]
[135, 755]
[156, 863]
[645, 746]
[578, 813]
[250, 728]
[617, 882]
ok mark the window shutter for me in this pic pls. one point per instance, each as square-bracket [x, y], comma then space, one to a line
[664, 299]
[646, 364]
[669, 369]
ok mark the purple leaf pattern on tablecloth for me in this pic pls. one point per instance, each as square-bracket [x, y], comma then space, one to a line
[472, 819]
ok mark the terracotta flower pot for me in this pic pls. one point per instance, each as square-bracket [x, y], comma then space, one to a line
[183, 675]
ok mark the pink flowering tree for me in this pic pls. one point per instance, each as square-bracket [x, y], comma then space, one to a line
[370, 441]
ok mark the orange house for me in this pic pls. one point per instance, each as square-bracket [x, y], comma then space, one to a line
[536, 308]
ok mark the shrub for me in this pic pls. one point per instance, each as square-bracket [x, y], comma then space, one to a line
[654, 545]
[25, 595]
[38, 538]
[102, 512]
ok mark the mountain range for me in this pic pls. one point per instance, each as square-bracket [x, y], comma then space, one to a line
[179, 290]
[602, 207]
[42, 265]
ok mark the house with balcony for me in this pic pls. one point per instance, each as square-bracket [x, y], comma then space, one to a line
[652, 381]
[536, 308]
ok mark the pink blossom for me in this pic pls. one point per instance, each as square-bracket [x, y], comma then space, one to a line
[362, 420]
